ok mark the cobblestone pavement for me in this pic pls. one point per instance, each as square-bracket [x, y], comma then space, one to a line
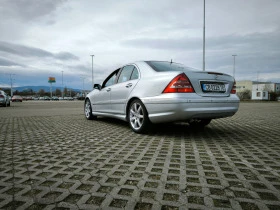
[51, 157]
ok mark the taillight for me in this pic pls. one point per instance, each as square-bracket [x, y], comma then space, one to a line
[1, 96]
[180, 84]
[233, 90]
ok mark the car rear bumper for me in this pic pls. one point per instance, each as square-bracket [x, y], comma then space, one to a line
[182, 107]
[2, 102]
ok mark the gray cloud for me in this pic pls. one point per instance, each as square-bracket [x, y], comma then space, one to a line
[25, 51]
[65, 56]
[117, 32]
[83, 69]
[256, 52]
[28, 9]
[5, 62]
[260, 41]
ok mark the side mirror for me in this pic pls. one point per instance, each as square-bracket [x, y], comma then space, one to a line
[97, 86]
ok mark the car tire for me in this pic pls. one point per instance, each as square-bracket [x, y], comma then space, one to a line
[138, 118]
[88, 111]
[9, 104]
[199, 123]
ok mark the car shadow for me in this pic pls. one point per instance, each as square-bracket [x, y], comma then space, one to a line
[184, 129]
[174, 129]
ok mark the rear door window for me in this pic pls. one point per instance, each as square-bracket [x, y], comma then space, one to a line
[135, 74]
[125, 74]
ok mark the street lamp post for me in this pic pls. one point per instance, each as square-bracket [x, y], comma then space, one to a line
[11, 80]
[92, 69]
[234, 65]
[62, 85]
[69, 88]
[203, 62]
[83, 78]
[258, 81]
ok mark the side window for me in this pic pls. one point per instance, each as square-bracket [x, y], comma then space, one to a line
[111, 79]
[135, 74]
[125, 74]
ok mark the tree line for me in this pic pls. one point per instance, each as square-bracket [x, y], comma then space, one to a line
[247, 95]
[57, 92]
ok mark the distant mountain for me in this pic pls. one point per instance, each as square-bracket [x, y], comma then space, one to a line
[45, 88]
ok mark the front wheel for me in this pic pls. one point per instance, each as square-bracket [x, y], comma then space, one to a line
[138, 117]
[88, 111]
[199, 123]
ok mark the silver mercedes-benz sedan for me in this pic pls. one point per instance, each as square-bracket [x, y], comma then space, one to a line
[147, 92]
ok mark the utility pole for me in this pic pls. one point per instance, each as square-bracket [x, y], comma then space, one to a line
[92, 69]
[62, 85]
[83, 78]
[258, 80]
[203, 62]
[11, 80]
[69, 88]
[234, 65]
[51, 90]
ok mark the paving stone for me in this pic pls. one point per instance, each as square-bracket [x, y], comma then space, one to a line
[59, 160]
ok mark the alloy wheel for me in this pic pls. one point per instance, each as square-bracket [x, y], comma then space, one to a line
[87, 109]
[136, 116]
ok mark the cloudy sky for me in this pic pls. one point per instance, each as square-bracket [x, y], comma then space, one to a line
[39, 39]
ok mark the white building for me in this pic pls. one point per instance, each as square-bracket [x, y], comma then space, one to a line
[260, 91]
[244, 85]
[260, 95]
[266, 86]
[257, 86]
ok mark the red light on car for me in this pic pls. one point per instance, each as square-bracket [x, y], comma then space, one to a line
[233, 90]
[180, 84]
[1, 96]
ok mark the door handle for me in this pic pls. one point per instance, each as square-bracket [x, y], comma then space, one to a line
[128, 85]
[108, 90]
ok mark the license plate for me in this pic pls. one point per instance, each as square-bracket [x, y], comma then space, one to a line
[214, 88]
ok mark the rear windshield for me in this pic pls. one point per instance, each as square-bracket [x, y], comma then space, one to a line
[161, 66]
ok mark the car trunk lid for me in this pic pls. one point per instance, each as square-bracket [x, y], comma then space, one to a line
[212, 84]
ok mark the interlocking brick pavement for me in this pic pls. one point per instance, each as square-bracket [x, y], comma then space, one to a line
[51, 157]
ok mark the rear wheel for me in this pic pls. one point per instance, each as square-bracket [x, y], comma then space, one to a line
[88, 111]
[138, 117]
[199, 123]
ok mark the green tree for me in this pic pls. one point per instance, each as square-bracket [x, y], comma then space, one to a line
[58, 92]
[273, 96]
[244, 95]
[73, 93]
[41, 92]
[65, 91]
